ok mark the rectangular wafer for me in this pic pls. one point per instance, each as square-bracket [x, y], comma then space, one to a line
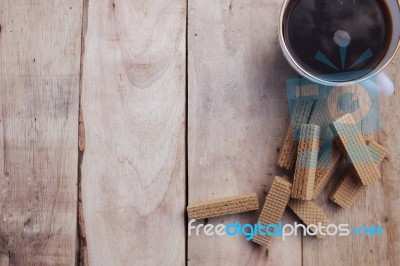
[377, 151]
[309, 213]
[306, 163]
[224, 206]
[350, 188]
[299, 116]
[347, 191]
[321, 116]
[274, 206]
[354, 147]
[327, 165]
[287, 155]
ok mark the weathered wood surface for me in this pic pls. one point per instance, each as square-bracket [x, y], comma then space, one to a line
[40, 45]
[133, 100]
[133, 106]
[390, 183]
[237, 120]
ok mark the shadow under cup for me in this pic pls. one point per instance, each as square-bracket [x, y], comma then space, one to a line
[337, 42]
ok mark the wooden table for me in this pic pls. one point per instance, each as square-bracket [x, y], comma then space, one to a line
[180, 102]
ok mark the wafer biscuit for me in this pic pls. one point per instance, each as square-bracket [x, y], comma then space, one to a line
[347, 191]
[224, 206]
[327, 165]
[352, 143]
[287, 155]
[321, 116]
[306, 164]
[309, 213]
[300, 115]
[274, 206]
[349, 188]
[377, 151]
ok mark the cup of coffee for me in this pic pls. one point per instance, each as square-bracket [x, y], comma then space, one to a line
[341, 42]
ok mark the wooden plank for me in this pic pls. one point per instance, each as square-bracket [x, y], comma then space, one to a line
[40, 45]
[133, 106]
[391, 167]
[236, 122]
[377, 205]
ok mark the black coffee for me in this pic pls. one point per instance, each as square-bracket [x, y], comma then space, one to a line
[327, 37]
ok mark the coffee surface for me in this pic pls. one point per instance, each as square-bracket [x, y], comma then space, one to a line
[327, 37]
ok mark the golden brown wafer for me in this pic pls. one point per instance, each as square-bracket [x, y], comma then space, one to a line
[321, 116]
[300, 115]
[309, 213]
[327, 165]
[306, 164]
[224, 206]
[274, 206]
[347, 191]
[349, 188]
[287, 155]
[355, 149]
[377, 151]
[331, 158]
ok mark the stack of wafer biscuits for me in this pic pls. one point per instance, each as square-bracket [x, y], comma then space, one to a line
[300, 149]
[315, 165]
[315, 168]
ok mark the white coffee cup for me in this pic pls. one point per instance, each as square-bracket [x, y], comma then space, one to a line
[373, 79]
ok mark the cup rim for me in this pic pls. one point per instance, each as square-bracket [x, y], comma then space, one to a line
[314, 78]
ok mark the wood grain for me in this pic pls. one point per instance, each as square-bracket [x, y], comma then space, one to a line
[390, 138]
[237, 120]
[39, 85]
[132, 135]
[377, 205]
[133, 106]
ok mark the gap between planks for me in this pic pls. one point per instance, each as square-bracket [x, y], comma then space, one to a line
[81, 253]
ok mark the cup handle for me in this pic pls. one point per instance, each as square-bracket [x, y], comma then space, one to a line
[380, 82]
